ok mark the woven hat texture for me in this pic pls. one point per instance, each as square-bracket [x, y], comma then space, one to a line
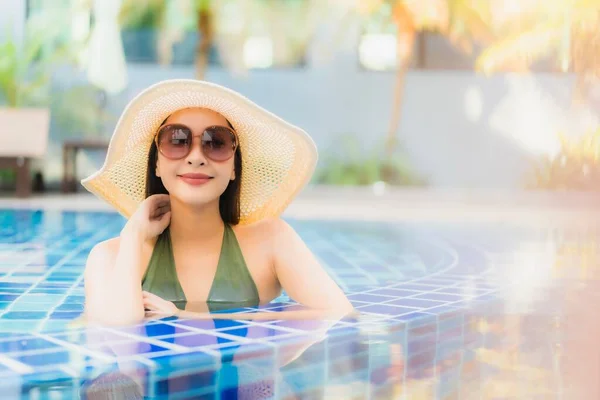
[278, 158]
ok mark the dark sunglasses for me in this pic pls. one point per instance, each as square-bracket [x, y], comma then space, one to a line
[218, 143]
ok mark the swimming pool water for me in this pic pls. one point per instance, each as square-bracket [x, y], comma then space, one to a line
[434, 301]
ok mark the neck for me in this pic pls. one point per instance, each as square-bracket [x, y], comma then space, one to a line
[195, 223]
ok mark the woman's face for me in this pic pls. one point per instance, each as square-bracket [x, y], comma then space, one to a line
[180, 177]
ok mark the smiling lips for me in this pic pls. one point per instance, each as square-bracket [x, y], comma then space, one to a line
[195, 179]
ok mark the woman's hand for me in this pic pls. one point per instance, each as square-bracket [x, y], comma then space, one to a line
[158, 306]
[151, 218]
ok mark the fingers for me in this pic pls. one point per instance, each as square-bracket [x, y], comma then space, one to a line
[156, 214]
[160, 209]
[151, 302]
[165, 216]
[159, 200]
[155, 303]
[154, 308]
[152, 296]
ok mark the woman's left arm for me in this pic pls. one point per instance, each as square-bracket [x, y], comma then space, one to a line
[300, 273]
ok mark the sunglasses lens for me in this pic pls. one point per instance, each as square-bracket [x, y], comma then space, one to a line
[218, 143]
[174, 141]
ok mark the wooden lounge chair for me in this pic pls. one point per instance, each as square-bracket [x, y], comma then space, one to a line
[23, 137]
[70, 149]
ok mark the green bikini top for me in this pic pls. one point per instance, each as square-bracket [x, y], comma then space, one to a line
[232, 287]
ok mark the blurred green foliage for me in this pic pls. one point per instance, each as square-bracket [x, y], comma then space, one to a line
[348, 163]
[26, 68]
[77, 112]
[7, 178]
[575, 167]
[142, 14]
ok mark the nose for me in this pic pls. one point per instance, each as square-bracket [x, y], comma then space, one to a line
[196, 156]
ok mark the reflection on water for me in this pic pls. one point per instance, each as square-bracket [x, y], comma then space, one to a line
[518, 321]
[479, 353]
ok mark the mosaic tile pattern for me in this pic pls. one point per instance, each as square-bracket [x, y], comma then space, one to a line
[421, 292]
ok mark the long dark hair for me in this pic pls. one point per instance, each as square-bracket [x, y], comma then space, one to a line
[229, 202]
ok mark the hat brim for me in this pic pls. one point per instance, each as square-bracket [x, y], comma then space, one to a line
[278, 158]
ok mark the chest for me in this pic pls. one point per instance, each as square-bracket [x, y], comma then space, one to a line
[197, 269]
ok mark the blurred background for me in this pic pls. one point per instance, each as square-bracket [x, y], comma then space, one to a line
[428, 97]
[434, 94]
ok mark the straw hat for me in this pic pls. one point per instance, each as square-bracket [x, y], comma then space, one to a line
[278, 159]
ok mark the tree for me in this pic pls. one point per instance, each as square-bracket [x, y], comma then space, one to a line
[462, 21]
[205, 28]
[226, 25]
[562, 30]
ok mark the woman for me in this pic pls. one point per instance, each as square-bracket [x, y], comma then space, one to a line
[202, 174]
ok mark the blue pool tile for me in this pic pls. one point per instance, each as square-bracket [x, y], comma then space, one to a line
[34, 315]
[417, 303]
[255, 351]
[130, 348]
[385, 309]
[147, 349]
[40, 298]
[221, 324]
[70, 307]
[53, 285]
[299, 325]
[25, 344]
[443, 309]
[417, 287]
[75, 299]
[159, 329]
[487, 297]
[44, 359]
[8, 297]
[12, 290]
[53, 259]
[452, 290]
[396, 292]
[185, 380]
[369, 298]
[439, 297]
[19, 326]
[194, 361]
[55, 325]
[13, 336]
[65, 315]
[413, 316]
[22, 306]
[52, 291]
[156, 320]
[275, 307]
[29, 274]
[196, 340]
[60, 279]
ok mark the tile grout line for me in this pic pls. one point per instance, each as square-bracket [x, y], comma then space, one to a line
[15, 366]
[62, 261]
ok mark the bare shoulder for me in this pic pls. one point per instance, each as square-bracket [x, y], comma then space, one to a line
[266, 230]
[102, 253]
[107, 248]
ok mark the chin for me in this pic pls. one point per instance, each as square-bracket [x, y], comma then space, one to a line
[196, 195]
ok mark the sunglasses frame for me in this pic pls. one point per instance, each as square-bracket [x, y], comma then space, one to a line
[233, 133]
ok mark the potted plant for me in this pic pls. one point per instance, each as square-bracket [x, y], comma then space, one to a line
[352, 165]
[575, 167]
[25, 74]
[140, 21]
